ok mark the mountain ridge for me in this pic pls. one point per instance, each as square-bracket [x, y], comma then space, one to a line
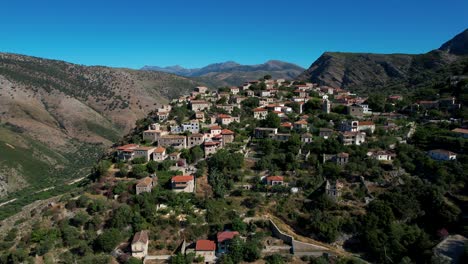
[54, 113]
[232, 73]
[366, 72]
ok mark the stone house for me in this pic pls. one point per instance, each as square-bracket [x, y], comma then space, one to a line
[199, 105]
[195, 140]
[145, 152]
[145, 185]
[126, 152]
[176, 141]
[140, 245]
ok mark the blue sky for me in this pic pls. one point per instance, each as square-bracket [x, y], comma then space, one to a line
[195, 33]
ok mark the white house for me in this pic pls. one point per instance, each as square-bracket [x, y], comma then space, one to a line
[140, 245]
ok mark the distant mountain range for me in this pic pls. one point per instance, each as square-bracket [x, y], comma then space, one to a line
[367, 72]
[233, 73]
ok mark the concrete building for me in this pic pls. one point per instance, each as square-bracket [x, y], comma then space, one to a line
[207, 250]
[352, 138]
[159, 154]
[183, 183]
[264, 132]
[260, 113]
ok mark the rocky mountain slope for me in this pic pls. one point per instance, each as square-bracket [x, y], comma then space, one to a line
[365, 72]
[56, 117]
[232, 73]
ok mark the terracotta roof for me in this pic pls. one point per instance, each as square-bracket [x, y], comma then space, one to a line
[275, 178]
[227, 132]
[196, 135]
[128, 147]
[205, 245]
[306, 135]
[460, 130]
[199, 102]
[342, 155]
[141, 236]
[145, 148]
[301, 122]
[366, 123]
[226, 235]
[182, 178]
[224, 116]
[215, 128]
[159, 150]
[144, 182]
[286, 124]
[259, 110]
[172, 137]
[209, 144]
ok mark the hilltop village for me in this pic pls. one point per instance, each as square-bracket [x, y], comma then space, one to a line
[273, 171]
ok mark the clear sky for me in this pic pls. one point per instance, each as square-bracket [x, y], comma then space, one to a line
[193, 33]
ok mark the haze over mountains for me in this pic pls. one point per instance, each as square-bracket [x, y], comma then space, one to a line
[366, 72]
[233, 73]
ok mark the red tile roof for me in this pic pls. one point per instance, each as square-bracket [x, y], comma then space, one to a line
[366, 123]
[128, 147]
[182, 178]
[301, 122]
[205, 245]
[211, 143]
[226, 235]
[224, 116]
[460, 130]
[227, 132]
[159, 150]
[275, 178]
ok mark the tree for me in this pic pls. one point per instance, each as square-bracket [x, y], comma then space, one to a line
[108, 240]
[267, 77]
[196, 153]
[152, 166]
[139, 171]
[272, 120]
